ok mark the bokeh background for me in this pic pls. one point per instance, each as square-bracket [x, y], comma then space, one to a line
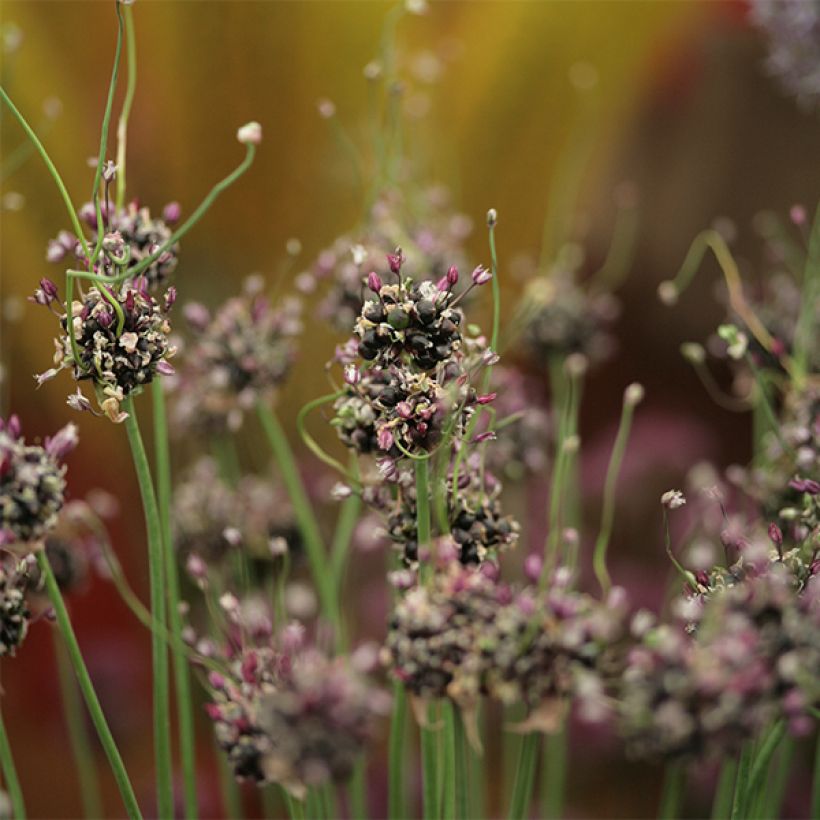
[669, 98]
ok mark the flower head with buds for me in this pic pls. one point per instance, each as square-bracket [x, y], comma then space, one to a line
[118, 340]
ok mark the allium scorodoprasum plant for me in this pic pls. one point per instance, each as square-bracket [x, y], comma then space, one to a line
[443, 567]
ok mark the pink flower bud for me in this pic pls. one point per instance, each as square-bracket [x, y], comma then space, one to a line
[352, 374]
[533, 564]
[395, 261]
[776, 535]
[452, 275]
[172, 212]
[487, 399]
[481, 275]
[63, 442]
[374, 282]
[384, 439]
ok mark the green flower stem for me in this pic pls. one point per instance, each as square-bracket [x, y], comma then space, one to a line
[610, 487]
[804, 336]
[77, 732]
[524, 777]
[357, 791]
[296, 808]
[231, 794]
[429, 766]
[182, 675]
[772, 796]
[461, 775]
[672, 792]
[553, 781]
[10, 779]
[87, 688]
[156, 570]
[448, 805]
[396, 786]
[758, 776]
[122, 125]
[722, 802]
[742, 783]
[109, 105]
[815, 786]
[52, 169]
[305, 518]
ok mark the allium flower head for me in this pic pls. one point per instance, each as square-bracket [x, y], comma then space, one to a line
[15, 582]
[121, 349]
[242, 352]
[32, 483]
[561, 318]
[465, 635]
[285, 713]
[752, 657]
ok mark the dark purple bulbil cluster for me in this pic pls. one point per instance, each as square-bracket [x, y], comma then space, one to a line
[465, 635]
[477, 524]
[130, 235]
[15, 582]
[240, 354]
[117, 339]
[32, 483]
[748, 656]
[283, 711]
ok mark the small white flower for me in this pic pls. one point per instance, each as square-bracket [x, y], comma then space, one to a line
[128, 341]
[673, 499]
[359, 254]
[250, 134]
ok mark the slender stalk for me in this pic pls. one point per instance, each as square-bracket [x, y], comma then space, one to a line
[631, 398]
[461, 772]
[760, 768]
[553, 781]
[182, 676]
[672, 792]
[815, 787]
[396, 787]
[77, 732]
[10, 779]
[357, 792]
[722, 802]
[231, 795]
[429, 767]
[159, 651]
[744, 767]
[122, 125]
[524, 777]
[109, 105]
[448, 805]
[87, 688]
[305, 518]
[772, 796]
